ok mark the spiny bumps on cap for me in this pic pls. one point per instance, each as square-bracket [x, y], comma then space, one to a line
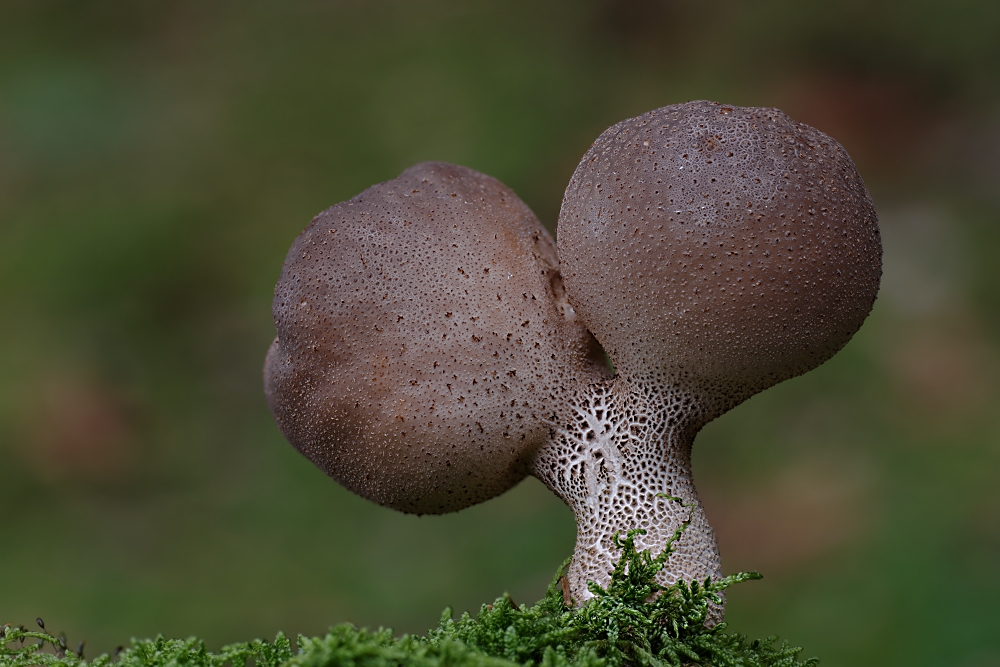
[423, 334]
[718, 248]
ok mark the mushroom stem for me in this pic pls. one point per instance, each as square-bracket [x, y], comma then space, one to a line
[620, 457]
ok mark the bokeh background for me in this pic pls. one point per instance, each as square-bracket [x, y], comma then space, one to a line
[157, 159]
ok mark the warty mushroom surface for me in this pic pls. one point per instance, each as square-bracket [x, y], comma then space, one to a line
[432, 350]
[423, 335]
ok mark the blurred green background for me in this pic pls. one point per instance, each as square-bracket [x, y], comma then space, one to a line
[157, 159]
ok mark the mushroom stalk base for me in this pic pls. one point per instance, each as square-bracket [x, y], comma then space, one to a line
[619, 456]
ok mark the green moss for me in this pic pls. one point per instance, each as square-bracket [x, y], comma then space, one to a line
[635, 621]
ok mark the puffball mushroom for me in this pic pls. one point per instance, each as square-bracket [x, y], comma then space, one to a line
[432, 350]
[714, 251]
[423, 332]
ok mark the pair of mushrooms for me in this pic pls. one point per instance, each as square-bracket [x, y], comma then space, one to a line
[434, 348]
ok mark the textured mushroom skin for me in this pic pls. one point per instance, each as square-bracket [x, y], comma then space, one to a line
[713, 251]
[423, 336]
[430, 353]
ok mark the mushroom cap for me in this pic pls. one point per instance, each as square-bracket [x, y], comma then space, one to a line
[423, 333]
[718, 248]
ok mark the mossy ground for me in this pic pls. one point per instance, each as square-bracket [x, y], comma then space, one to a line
[633, 622]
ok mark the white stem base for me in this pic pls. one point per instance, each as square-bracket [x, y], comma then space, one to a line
[621, 454]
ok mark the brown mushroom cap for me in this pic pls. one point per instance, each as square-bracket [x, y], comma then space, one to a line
[422, 334]
[722, 249]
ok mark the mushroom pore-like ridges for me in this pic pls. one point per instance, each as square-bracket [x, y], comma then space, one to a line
[718, 249]
[423, 339]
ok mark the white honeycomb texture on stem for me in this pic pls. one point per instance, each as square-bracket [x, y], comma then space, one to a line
[618, 456]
